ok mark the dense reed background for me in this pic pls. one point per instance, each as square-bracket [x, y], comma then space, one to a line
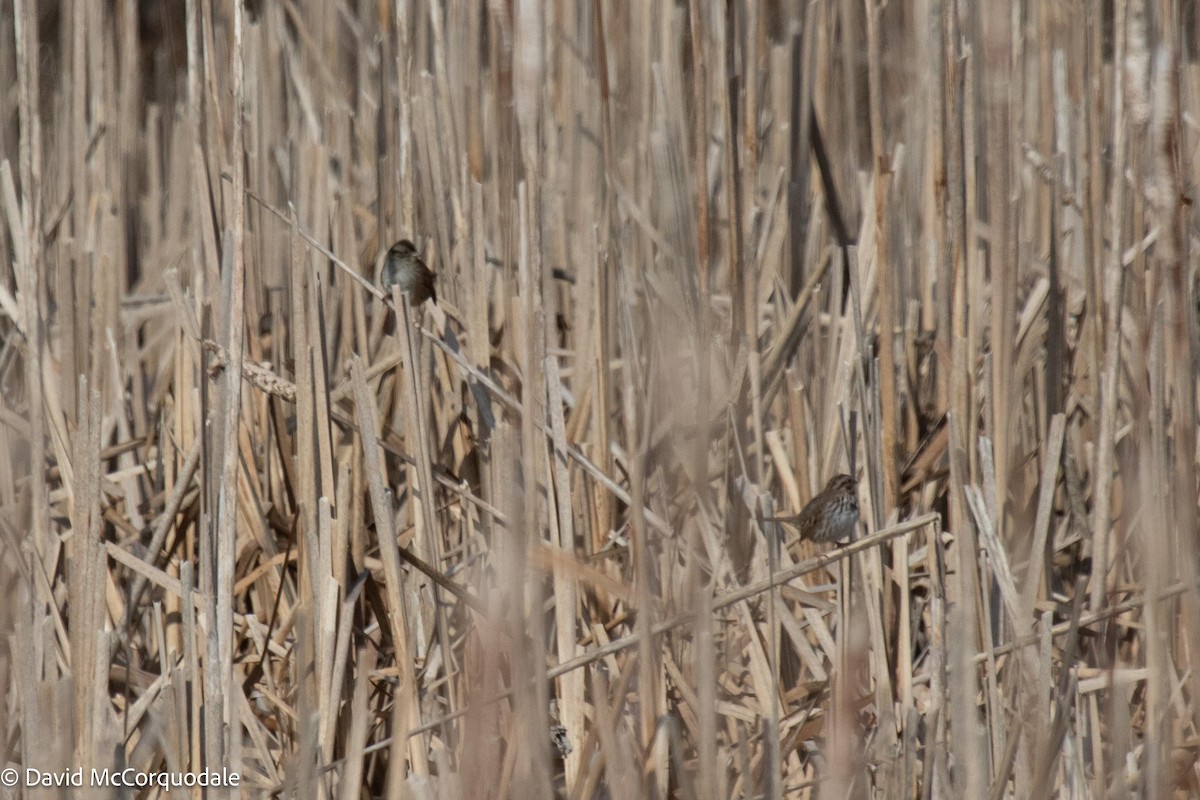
[694, 258]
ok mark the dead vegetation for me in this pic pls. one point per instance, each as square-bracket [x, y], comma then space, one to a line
[694, 258]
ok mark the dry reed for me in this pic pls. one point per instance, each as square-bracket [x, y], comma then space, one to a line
[694, 259]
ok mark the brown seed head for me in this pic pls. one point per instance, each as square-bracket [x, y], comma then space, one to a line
[404, 268]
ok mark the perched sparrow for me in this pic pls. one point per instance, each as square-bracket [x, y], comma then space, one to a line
[831, 515]
[404, 268]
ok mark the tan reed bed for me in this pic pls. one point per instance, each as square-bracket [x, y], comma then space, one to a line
[694, 259]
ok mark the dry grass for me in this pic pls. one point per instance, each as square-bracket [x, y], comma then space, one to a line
[675, 301]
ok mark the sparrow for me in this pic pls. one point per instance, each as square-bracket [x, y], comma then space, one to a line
[831, 515]
[404, 268]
